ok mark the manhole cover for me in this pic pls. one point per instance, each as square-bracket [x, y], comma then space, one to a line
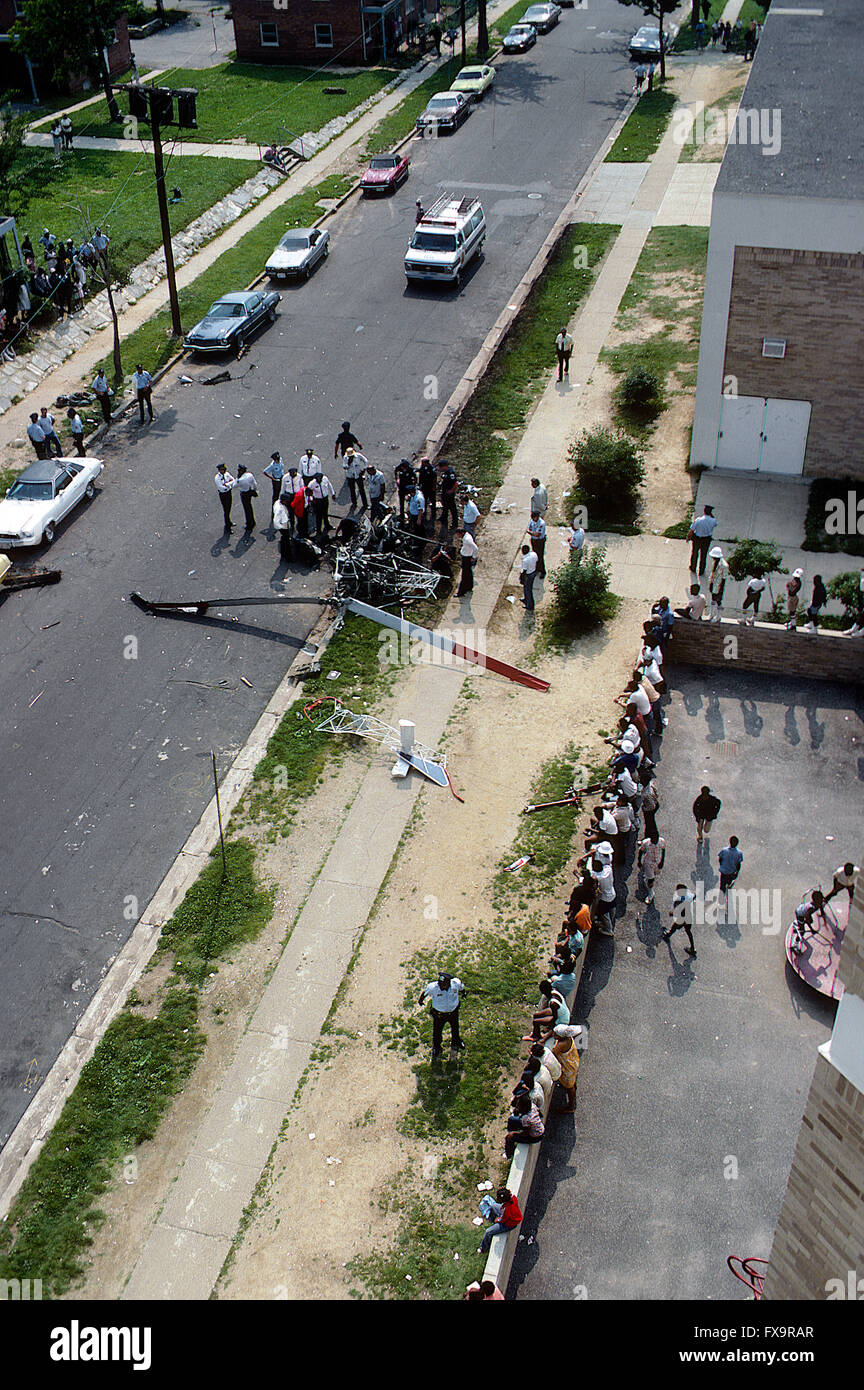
[728, 748]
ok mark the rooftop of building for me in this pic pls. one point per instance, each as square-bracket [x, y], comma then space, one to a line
[807, 75]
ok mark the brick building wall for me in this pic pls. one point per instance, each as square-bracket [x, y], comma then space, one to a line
[820, 1232]
[289, 33]
[815, 300]
[768, 647]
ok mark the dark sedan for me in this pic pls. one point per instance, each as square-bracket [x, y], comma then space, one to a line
[230, 322]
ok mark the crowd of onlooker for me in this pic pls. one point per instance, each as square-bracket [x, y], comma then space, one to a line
[626, 797]
[57, 277]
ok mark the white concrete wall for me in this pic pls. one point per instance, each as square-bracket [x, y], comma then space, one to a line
[797, 224]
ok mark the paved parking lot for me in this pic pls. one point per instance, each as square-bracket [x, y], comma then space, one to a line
[696, 1072]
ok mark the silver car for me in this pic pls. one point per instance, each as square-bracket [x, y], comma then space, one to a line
[298, 253]
[543, 17]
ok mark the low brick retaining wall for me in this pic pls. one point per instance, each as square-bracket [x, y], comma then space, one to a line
[766, 647]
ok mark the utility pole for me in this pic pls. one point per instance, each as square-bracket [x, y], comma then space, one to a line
[176, 326]
[462, 22]
[156, 105]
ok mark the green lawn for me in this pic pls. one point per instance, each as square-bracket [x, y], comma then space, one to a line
[254, 103]
[644, 128]
[117, 191]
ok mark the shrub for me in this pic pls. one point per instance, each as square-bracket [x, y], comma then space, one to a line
[581, 596]
[640, 395]
[847, 587]
[609, 472]
[756, 560]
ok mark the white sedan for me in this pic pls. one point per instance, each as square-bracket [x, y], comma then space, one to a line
[298, 253]
[42, 495]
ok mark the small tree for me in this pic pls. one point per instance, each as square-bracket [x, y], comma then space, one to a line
[110, 272]
[755, 560]
[656, 9]
[609, 471]
[68, 39]
[581, 598]
[847, 587]
[640, 394]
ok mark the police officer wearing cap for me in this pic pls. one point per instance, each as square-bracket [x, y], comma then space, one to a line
[444, 996]
[275, 471]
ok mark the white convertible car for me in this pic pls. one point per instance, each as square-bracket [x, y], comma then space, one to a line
[42, 495]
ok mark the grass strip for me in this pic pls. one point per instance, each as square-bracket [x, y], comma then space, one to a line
[296, 757]
[499, 968]
[484, 438]
[153, 343]
[644, 128]
[125, 1089]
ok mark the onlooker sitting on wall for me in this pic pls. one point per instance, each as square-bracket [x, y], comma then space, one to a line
[524, 1126]
[507, 1217]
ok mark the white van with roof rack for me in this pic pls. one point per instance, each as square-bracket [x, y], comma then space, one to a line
[446, 239]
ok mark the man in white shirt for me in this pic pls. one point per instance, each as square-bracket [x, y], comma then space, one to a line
[247, 488]
[310, 464]
[377, 485]
[142, 381]
[576, 541]
[52, 439]
[320, 489]
[469, 553]
[355, 465]
[539, 497]
[844, 877]
[699, 536]
[417, 511]
[225, 484]
[563, 349]
[527, 575]
[444, 995]
[470, 516]
[292, 483]
[103, 395]
[600, 869]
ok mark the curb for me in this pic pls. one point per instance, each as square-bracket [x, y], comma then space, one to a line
[437, 436]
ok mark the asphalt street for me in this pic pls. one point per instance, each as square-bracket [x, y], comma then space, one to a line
[109, 715]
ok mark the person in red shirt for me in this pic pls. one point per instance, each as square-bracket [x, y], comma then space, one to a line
[509, 1217]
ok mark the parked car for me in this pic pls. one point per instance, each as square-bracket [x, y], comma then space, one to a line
[445, 111]
[298, 253]
[645, 43]
[385, 173]
[42, 495]
[519, 38]
[543, 17]
[474, 82]
[230, 322]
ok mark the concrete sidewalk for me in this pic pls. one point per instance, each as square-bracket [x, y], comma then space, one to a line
[228, 150]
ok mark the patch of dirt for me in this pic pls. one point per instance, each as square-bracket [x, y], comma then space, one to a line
[316, 1216]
